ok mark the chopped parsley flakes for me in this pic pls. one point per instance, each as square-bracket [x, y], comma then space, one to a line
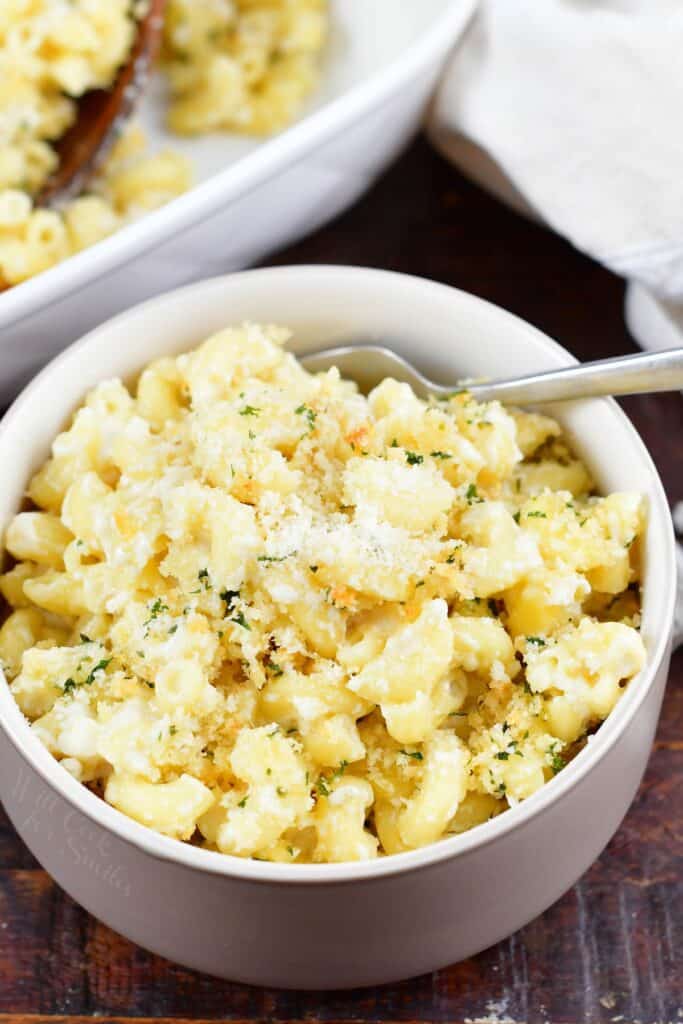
[310, 415]
[71, 684]
[99, 667]
[155, 610]
[241, 621]
[512, 748]
[323, 784]
[229, 597]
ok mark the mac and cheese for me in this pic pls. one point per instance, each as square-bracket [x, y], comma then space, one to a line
[244, 66]
[238, 65]
[257, 610]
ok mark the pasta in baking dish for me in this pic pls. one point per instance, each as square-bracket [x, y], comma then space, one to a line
[235, 65]
[257, 610]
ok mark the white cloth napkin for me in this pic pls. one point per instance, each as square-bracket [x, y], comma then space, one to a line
[571, 110]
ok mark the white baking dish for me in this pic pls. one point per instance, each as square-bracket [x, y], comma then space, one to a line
[252, 196]
[334, 925]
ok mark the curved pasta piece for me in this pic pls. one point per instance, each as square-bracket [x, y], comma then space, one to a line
[339, 820]
[171, 808]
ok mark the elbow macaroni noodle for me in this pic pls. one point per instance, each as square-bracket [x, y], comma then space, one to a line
[257, 610]
[236, 65]
[243, 66]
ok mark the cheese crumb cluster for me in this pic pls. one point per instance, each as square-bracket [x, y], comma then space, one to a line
[238, 65]
[259, 611]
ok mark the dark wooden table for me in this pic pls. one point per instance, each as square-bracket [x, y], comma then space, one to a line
[610, 949]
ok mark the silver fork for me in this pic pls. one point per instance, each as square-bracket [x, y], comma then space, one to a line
[624, 375]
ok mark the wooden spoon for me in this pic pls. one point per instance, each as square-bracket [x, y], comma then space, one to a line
[102, 114]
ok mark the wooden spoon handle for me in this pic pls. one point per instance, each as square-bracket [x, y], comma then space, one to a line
[102, 114]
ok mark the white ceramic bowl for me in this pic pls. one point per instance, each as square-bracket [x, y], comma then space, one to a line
[325, 926]
[252, 196]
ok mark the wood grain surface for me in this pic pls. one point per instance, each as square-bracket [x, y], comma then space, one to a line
[610, 950]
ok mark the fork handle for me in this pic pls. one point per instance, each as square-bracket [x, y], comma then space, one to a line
[624, 375]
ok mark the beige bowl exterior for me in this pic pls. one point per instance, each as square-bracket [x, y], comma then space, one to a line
[332, 926]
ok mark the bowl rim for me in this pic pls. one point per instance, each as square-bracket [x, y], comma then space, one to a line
[311, 131]
[17, 731]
